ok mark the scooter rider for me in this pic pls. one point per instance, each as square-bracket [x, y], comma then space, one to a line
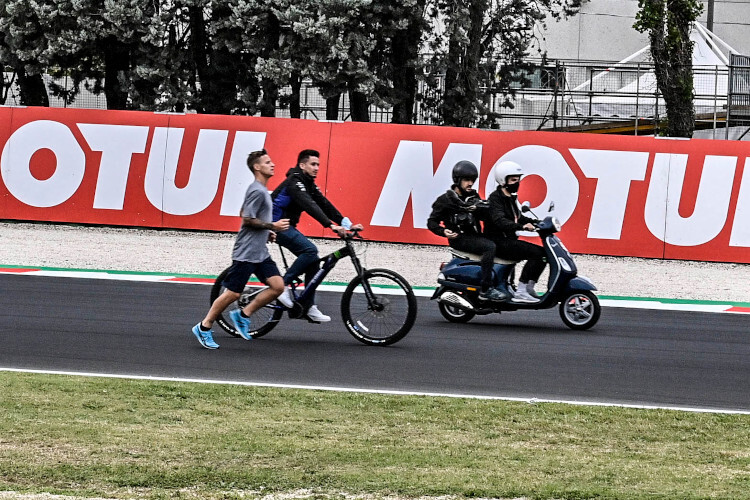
[457, 215]
[505, 219]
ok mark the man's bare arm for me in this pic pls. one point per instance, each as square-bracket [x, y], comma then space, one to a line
[255, 223]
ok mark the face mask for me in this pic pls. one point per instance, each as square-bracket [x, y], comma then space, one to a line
[512, 188]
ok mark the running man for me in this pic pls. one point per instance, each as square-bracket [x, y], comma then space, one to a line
[250, 256]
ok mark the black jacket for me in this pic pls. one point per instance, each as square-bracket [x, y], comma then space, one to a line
[298, 193]
[459, 214]
[505, 217]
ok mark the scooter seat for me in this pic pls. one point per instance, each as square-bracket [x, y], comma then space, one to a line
[477, 257]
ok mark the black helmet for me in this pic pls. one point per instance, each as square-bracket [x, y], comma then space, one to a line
[464, 170]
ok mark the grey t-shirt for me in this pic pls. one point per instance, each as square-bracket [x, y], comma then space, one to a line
[250, 245]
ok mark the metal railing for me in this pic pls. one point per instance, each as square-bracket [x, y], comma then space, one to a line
[564, 95]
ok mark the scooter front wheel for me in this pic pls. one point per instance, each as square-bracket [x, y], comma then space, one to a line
[580, 310]
[455, 314]
[262, 321]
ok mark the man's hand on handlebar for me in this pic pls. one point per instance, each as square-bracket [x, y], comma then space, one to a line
[450, 234]
[529, 227]
[280, 225]
[340, 230]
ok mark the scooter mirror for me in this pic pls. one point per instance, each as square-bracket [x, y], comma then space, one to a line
[525, 206]
[551, 206]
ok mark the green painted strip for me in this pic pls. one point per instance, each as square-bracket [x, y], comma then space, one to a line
[107, 271]
[675, 301]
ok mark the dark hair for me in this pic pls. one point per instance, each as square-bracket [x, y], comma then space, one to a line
[253, 157]
[305, 154]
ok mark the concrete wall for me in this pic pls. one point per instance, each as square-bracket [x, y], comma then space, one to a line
[603, 31]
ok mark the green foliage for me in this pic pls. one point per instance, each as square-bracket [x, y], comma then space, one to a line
[234, 56]
[482, 54]
[668, 24]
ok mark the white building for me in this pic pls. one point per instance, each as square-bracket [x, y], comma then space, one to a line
[603, 30]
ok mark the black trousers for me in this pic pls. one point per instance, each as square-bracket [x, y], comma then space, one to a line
[475, 243]
[534, 255]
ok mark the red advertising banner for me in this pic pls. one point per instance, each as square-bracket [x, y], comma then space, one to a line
[616, 195]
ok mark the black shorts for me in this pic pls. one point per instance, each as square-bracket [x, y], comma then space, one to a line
[240, 272]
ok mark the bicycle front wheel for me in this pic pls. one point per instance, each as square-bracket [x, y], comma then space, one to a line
[380, 308]
[261, 322]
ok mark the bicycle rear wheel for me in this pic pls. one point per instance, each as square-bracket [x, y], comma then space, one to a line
[262, 321]
[385, 317]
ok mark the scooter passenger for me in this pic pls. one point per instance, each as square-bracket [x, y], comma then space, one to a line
[505, 219]
[457, 215]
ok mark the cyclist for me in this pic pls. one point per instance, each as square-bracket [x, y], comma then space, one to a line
[249, 256]
[457, 215]
[505, 219]
[298, 193]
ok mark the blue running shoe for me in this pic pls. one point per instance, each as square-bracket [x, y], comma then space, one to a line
[205, 338]
[241, 324]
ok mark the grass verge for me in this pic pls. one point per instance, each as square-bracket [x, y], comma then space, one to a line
[136, 438]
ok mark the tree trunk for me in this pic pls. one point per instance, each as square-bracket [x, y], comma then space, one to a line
[270, 87]
[404, 58]
[332, 107]
[668, 23]
[199, 49]
[32, 89]
[116, 69]
[295, 110]
[462, 72]
[359, 106]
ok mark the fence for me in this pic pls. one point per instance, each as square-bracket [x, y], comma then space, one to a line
[563, 96]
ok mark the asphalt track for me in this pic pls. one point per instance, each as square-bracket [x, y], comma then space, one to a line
[633, 356]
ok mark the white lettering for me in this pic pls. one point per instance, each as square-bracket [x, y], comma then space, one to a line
[204, 174]
[239, 176]
[741, 228]
[711, 205]
[614, 172]
[16, 163]
[411, 175]
[117, 143]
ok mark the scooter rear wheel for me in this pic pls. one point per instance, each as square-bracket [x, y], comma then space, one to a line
[580, 310]
[455, 314]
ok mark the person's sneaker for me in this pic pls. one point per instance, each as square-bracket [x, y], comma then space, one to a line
[493, 294]
[521, 295]
[205, 338]
[286, 298]
[530, 289]
[315, 315]
[241, 324]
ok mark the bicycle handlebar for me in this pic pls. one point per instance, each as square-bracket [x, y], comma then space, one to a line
[351, 234]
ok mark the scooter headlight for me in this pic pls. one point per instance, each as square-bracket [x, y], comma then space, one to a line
[564, 264]
[441, 276]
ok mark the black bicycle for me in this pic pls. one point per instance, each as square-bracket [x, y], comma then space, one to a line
[378, 306]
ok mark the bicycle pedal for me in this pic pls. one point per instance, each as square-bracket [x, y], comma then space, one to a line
[312, 321]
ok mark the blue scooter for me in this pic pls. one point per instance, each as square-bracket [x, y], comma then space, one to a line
[459, 284]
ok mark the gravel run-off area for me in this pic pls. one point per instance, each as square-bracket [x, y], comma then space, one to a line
[207, 253]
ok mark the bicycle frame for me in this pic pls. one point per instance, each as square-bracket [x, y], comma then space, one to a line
[328, 263]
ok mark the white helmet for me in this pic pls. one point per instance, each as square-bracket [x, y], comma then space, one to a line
[505, 169]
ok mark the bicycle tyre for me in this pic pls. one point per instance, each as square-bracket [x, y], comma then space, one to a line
[262, 321]
[394, 296]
